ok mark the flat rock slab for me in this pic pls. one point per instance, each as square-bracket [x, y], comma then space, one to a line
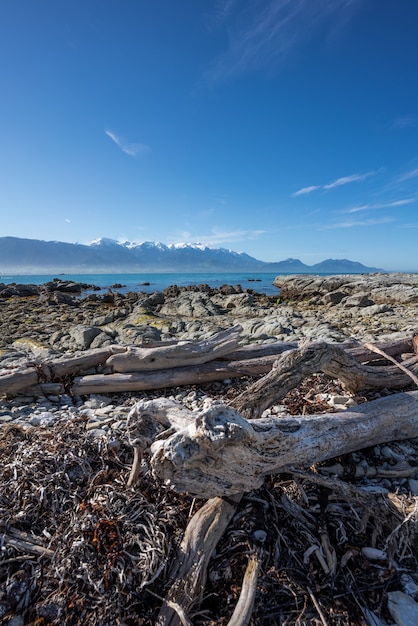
[379, 288]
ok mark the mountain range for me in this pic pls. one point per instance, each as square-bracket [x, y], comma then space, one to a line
[33, 256]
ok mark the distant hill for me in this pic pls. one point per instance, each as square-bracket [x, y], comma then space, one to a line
[32, 256]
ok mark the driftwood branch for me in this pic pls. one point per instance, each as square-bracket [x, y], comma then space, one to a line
[189, 572]
[390, 358]
[242, 613]
[198, 374]
[26, 542]
[187, 352]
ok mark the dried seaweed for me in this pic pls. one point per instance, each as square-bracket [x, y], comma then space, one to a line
[80, 547]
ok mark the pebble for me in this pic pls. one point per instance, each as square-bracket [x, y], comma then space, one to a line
[403, 609]
[413, 486]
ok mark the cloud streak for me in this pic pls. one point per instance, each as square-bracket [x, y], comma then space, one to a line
[262, 33]
[356, 223]
[408, 176]
[131, 149]
[380, 205]
[305, 190]
[217, 238]
[404, 121]
[344, 180]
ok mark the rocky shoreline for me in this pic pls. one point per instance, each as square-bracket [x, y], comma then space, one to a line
[57, 317]
[74, 451]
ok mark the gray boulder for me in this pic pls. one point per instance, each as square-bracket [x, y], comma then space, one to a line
[190, 304]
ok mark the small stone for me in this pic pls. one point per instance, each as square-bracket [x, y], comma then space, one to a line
[403, 609]
[260, 535]
[114, 445]
[97, 433]
[43, 419]
[413, 486]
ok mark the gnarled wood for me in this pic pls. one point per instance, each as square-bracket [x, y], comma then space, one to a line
[187, 352]
[146, 420]
[293, 366]
[222, 453]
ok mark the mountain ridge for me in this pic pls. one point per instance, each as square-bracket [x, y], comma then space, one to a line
[104, 255]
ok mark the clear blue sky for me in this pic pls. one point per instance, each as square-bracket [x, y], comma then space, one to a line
[281, 128]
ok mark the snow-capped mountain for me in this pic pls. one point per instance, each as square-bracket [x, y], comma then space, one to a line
[110, 256]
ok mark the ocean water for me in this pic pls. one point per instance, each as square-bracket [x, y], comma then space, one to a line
[258, 281]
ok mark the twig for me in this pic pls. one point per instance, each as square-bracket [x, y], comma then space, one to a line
[318, 608]
[242, 613]
[404, 369]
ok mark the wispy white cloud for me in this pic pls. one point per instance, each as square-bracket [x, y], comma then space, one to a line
[262, 33]
[132, 149]
[357, 223]
[380, 205]
[306, 190]
[344, 180]
[218, 237]
[66, 219]
[408, 176]
[404, 121]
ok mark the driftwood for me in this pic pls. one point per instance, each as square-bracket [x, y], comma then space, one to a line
[166, 356]
[189, 572]
[205, 456]
[222, 453]
[292, 367]
[25, 542]
[359, 377]
[357, 350]
[55, 377]
[59, 368]
[198, 374]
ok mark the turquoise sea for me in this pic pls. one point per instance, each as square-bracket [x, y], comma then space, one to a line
[258, 281]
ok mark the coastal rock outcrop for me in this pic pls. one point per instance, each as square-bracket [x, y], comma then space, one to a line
[378, 288]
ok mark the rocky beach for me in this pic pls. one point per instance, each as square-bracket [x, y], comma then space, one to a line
[66, 458]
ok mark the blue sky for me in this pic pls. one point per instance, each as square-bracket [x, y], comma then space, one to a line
[281, 128]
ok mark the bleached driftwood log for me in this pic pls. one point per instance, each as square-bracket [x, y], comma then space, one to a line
[354, 348]
[181, 353]
[364, 376]
[198, 374]
[56, 369]
[222, 453]
[244, 361]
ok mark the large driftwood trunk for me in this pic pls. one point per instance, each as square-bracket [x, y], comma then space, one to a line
[222, 453]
